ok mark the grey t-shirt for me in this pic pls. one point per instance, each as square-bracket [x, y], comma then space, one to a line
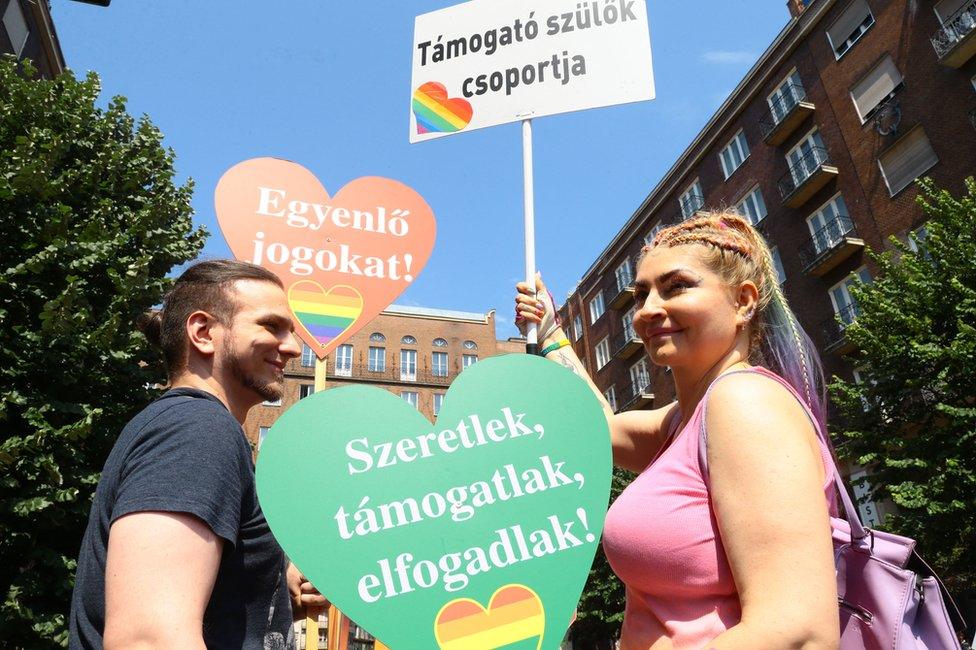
[186, 453]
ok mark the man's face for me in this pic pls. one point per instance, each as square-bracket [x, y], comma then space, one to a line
[258, 341]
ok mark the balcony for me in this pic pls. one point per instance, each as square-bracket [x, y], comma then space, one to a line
[623, 296]
[638, 395]
[787, 112]
[692, 205]
[806, 177]
[830, 246]
[834, 328]
[955, 41]
[393, 374]
[626, 344]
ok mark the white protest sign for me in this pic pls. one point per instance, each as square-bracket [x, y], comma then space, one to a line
[488, 62]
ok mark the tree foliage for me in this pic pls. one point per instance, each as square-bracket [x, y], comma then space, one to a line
[90, 224]
[601, 607]
[912, 419]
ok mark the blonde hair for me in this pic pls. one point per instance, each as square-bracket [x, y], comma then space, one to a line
[737, 252]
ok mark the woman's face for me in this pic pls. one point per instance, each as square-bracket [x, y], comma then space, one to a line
[687, 315]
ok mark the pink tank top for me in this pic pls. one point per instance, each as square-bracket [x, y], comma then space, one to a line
[662, 541]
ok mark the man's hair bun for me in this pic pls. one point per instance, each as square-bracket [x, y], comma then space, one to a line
[151, 325]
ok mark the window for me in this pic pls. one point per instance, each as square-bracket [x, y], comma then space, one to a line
[840, 296]
[308, 357]
[262, 431]
[578, 327]
[440, 343]
[408, 340]
[408, 365]
[786, 96]
[692, 200]
[343, 361]
[907, 159]
[304, 390]
[377, 359]
[849, 27]
[778, 264]
[470, 345]
[734, 153]
[806, 157]
[876, 88]
[946, 10]
[268, 402]
[438, 363]
[649, 239]
[829, 224]
[16, 25]
[639, 377]
[611, 396]
[468, 360]
[596, 307]
[916, 244]
[377, 337]
[602, 353]
[752, 206]
[438, 403]
[625, 275]
[410, 397]
[628, 322]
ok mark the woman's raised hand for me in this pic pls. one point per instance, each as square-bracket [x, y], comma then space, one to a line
[535, 305]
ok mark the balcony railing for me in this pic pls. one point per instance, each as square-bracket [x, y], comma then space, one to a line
[829, 246]
[972, 117]
[626, 344]
[638, 394]
[834, 328]
[622, 295]
[691, 205]
[806, 175]
[785, 113]
[953, 42]
[394, 374]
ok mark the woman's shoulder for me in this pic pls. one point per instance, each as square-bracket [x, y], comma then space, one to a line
[757, 396]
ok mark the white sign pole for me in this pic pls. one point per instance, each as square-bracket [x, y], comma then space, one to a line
[532, 335]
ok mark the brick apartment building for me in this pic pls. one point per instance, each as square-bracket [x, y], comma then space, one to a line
[818, 146]
[412, 352]
[28, 33]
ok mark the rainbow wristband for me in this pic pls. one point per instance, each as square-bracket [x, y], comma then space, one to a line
[561, 343]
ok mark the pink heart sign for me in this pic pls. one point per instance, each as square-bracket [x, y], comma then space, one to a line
[342, 259]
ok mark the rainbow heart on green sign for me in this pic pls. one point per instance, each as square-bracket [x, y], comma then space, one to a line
[477, 531]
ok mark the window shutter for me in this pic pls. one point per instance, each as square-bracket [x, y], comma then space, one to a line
[848, 21]
[908, 159]
[877, 85]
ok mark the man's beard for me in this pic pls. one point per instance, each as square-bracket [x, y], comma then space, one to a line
[271, 391]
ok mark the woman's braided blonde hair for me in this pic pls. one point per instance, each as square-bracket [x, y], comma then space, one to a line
[736, 251]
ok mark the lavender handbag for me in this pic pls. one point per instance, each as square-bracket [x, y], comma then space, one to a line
[889, 598]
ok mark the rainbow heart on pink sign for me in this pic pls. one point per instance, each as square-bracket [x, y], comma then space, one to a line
[343, 258]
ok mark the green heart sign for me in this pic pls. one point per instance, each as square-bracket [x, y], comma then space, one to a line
[475, 532]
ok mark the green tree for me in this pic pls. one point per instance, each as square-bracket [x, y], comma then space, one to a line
[912, 419]
[91, 222]
[601, 607]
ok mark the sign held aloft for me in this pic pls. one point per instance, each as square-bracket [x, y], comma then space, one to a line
[488, 62]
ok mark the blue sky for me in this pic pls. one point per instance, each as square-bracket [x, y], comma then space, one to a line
[327, 84]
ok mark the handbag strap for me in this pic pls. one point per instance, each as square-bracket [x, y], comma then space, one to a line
[858, 531]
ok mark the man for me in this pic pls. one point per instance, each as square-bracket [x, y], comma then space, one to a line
[177, 553]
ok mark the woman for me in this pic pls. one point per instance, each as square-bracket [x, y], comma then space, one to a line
[723, 540]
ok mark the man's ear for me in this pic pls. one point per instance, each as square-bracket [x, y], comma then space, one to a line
[200, 332]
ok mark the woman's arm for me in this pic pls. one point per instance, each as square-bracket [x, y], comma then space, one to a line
[636, 436]
[766, 481]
